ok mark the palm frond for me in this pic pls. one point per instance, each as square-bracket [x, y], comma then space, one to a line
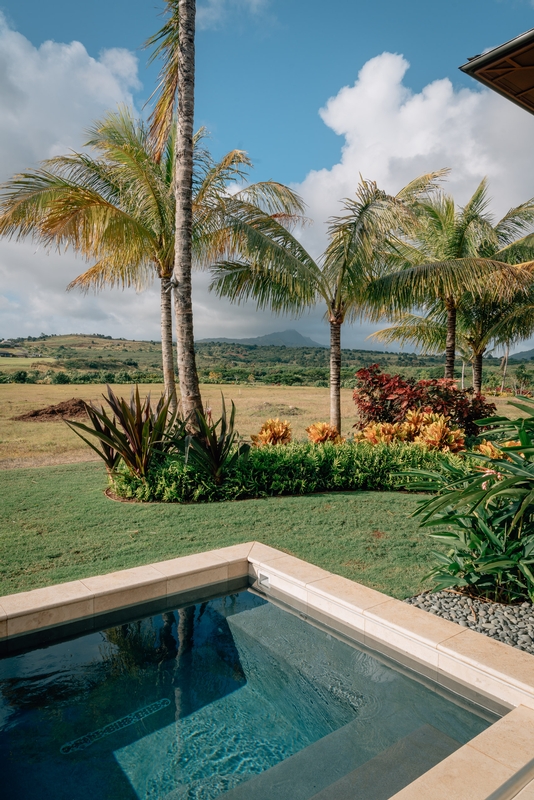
[166, 46]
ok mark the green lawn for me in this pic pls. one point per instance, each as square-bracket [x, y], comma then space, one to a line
[56, 525]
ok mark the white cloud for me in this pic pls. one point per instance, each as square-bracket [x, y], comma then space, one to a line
[392, 134]
[49, 95]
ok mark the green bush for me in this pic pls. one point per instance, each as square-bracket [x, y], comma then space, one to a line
[294, 469]
[60, 377]
[486, 515]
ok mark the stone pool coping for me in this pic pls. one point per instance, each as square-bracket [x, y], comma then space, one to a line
[495, 675]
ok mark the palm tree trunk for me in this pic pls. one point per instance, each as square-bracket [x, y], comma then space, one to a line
[463, 375]
[187, 370]
[477, 373]
[504, 367]
[450, 343]
[335, 374]
[167, 355]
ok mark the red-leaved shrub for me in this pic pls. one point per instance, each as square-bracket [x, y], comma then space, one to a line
[380, 397]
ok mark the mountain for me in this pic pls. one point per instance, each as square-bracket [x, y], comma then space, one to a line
[289, 338]
[524, 354]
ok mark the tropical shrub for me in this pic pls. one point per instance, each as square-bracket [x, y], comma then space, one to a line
[380, 397]
[213, 448]
[430, 430]
[437, 435]
[273, 431]
[382, 433]
[487, 515]
[320, 432]
[296, 469]
[134, 434]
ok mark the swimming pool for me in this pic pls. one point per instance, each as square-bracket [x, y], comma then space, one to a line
[222, 698]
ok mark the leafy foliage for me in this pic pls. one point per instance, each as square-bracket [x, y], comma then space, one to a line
[381, 397]
[135, 432]
[320, 432]
[213, 451]
[297, 469]
[487, 516]
[273, 431]
[430, 430]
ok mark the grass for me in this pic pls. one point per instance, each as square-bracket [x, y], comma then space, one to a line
[56, 525]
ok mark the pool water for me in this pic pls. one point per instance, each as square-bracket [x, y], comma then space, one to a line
[226, 698]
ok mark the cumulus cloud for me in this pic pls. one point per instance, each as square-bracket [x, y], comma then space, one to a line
[49, 95]
[392, 134]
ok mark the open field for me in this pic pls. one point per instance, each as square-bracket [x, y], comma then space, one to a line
[40, 443]
[10, 365]
[57, 525]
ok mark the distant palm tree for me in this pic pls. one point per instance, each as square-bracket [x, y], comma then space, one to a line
[273, 268]
[482, 324]
[118, 208]
[453, 251]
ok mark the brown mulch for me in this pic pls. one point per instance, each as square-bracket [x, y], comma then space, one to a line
[68, 409]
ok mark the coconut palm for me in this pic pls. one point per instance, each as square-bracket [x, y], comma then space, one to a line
[267, 263]
[482, 324]
[175, 45]
[118, 208]
[453, 251]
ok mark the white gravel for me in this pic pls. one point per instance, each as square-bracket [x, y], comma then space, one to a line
[513, 625]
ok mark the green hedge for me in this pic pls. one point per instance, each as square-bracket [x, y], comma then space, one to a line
[294, 469]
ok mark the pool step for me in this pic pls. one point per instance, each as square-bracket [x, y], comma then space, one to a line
[313, 773]
[390, 771]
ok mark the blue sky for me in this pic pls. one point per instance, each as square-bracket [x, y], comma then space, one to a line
[265, 69]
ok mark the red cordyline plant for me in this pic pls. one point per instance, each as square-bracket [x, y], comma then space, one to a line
[381, 397]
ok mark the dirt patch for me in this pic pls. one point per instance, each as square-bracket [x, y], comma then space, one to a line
[68, 409]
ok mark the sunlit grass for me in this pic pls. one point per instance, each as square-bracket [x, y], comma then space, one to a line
[56, 525]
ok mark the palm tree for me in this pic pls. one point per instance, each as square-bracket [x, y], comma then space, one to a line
[453, 251]
[175, 44]
[267, 263]
[118, 208]
[483, 324]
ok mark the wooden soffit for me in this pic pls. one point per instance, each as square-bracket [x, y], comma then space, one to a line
[508, 70]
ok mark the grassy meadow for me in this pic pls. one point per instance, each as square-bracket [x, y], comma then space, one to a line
[38, 443]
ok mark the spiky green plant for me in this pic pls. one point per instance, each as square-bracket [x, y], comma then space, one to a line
[214, 448]
[134, 433]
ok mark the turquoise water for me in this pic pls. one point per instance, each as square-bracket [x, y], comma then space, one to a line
[193, 703]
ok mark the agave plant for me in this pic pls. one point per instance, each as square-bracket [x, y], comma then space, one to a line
[135, 432]
[214, 447]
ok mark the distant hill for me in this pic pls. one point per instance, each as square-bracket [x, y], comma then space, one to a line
[289, 338]
[524, 354]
